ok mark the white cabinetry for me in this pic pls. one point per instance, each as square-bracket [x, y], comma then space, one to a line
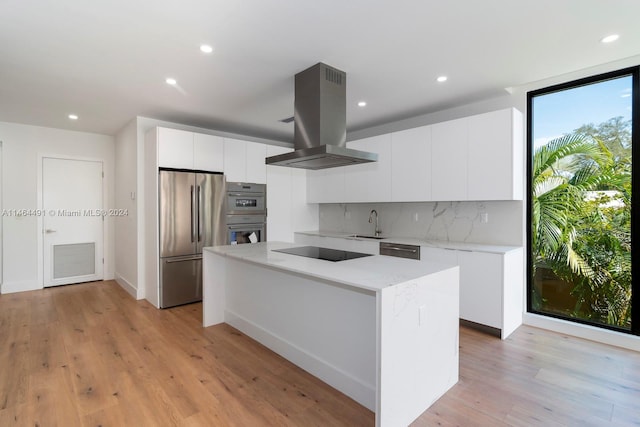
[208, 152]
[370, 182]
[287, 210]
[495, 156]
[279, 212]
[449, 160]
[244, 161]
[473, 158]
[491, 285]
[411, 165]
[181, 149]
[326, 185]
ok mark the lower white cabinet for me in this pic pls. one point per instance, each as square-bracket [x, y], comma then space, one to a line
[491, 285]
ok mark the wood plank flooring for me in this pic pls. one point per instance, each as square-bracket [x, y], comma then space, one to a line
[90, 355]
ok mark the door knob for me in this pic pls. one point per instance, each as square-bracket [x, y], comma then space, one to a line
[49, 231]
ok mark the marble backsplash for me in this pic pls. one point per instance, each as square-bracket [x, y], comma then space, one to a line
[492, 222]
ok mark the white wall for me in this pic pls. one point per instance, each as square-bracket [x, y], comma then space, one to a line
[126, 194]
[22, 144]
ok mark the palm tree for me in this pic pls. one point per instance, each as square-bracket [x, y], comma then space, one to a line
[585, 245]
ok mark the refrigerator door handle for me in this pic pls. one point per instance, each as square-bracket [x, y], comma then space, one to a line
[199, 202]
[182, 259]
[192, 212]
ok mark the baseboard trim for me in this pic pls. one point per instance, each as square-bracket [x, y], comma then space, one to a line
[605, 336]
[127, 286]
[23, 286]
[482, 328]
[359, 391]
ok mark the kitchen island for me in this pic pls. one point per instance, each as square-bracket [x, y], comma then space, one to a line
[382, 330]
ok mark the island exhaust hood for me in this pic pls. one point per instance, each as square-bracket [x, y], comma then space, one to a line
[320, 120]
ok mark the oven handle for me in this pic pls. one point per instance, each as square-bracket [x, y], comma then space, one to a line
[255, 195]
[248, 227]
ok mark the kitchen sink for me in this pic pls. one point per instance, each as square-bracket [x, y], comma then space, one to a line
[363, 236]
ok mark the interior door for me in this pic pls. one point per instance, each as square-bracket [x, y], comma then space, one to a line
[73, 221]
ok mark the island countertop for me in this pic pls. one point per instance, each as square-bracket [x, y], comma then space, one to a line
[371, 273]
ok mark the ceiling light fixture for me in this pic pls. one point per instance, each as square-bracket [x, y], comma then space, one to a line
[362, 104]
[171, 81]
[442, 79]
[610, 38]
[205, 48]
[73, 116]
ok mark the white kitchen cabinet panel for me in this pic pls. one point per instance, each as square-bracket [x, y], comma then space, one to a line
[481, 282]
[370, 182]
[326, 185]
[449, 160]
[411, 165]
[446, 256]
[279, 202]
[244, 161]
[495, 156]
[234, 160]
[256, 169]
[208, 152]
[175, 148]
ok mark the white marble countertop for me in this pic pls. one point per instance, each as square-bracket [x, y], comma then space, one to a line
[371, 273]
[461, 246]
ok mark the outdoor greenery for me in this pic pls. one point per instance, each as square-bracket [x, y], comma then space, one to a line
[581, 222]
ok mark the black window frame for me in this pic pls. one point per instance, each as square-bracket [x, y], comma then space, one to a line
[634, 72]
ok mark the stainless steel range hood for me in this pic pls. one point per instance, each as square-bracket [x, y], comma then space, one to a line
[320, 119]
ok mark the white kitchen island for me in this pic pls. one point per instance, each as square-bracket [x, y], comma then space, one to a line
[382, 330]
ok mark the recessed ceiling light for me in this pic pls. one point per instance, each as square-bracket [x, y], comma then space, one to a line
[610, 38]
[362, 104]
[73, 116]
[205, 48]
[442, 79]
[171, 81]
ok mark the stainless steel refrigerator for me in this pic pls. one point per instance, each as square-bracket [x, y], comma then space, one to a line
[191, 217]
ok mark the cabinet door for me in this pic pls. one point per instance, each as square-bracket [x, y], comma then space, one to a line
[411, 165]
[370, 182]
[175, 148]
[449, 154]
[440, 255]
[279, 200]
[491, 159]
[208, 152]
[481, 288]
[234, 160]
[326, 185]
[256, 169]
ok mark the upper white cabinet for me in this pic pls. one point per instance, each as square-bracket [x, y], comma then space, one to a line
[208, 152]
[287, 210]
[473, 158]
[411, 165]
[449, 159]
[244, 161]
[326, 185]
[370, 182]
[181, 149]
[495, 156]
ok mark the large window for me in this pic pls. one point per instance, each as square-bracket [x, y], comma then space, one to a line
[582, 216]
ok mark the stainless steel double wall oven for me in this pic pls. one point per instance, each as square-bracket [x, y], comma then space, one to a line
[246, 213]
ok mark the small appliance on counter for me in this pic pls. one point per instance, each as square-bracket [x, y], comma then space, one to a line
[246, 215]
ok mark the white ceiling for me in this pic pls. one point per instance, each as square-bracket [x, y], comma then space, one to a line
[107, 60]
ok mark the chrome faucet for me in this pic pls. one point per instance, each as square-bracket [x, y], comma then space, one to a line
[377, 231]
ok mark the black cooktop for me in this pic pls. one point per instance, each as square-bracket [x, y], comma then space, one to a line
[322, 253]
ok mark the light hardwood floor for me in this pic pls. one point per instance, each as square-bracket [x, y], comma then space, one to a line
[90, 355]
